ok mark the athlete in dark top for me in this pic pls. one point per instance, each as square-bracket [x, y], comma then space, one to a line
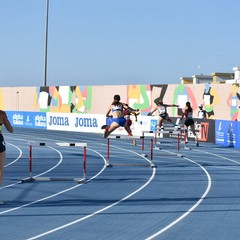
[189, 122]
[3, 122]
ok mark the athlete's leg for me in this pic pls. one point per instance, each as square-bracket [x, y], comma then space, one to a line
[169, 120]
[186, 134]
[2, 163]
[192, 126]
[160, 122]
[193, 129]
[127, 128]
[129, 131]
[110, 129]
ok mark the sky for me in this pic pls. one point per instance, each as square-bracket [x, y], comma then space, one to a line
[115, 42]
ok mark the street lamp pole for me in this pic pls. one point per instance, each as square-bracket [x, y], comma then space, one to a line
[46, 45]
[18, 101]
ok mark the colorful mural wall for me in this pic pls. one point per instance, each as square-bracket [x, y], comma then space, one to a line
[221, 101]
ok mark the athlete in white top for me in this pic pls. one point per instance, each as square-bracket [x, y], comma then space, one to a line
[202, 113]
[118, 119]
[162, 110]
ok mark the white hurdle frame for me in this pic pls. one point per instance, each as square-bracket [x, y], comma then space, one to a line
[172, 127]
[124, 137]
[62, 144]
[173, 131]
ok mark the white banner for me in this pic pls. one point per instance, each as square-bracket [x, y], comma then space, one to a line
[92, 123]
[75, 122]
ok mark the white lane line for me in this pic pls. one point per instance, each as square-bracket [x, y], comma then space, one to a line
[50, 169]
[202, 197]
[232, 168]
[190, 209]
[103, 209]
[59, 162]
[219, 156]
[56, 194]
[19, 156]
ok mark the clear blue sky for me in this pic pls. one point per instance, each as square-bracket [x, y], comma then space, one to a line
[102, 42]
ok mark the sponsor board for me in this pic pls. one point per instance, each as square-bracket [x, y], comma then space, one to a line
[27, 119]
[204, 128]
[227, 133]
[93, 122]
[75, 122]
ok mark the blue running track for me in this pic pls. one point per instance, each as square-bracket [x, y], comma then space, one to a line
[193, 197]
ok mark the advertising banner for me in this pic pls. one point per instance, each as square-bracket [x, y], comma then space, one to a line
[204, 128]
[75, 122]
[27, 119]
[227, 133]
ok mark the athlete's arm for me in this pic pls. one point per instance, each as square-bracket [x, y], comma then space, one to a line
[109, 110]
[6, 122]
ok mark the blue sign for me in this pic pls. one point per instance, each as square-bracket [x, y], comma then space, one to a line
[153, 124]
[227, 133]
[27, 119]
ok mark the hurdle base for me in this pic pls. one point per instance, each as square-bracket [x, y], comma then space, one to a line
[144, 155]
[152, 165]
[187, 148]
[179, 155]
[109, 165]
[49, 179]
[26, 180]
[80, 180]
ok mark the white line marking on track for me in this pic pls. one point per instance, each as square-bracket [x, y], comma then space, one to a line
[50, 169]
[217, 155]
[19, 156]
[56, 194]
[202, 197]
[190, 209]
[103, 209]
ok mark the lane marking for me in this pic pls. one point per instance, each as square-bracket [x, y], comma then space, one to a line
[190, 209]
[56, 194]
[18, 157]
[201, 198]
[105, 208]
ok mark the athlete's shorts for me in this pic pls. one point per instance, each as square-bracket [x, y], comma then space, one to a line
[2, 144]
[189, 122]
[129, 122]
[120, 121]
[163, 116]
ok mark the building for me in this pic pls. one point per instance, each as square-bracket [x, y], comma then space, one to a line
[215, 77]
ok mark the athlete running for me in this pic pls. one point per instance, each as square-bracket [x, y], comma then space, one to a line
[117, 110]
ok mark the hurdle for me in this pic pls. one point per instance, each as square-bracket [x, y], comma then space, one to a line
[177, 132]
[62, 144]
[171, 128]
[123, 137]
[31, 178]
[143, 142]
